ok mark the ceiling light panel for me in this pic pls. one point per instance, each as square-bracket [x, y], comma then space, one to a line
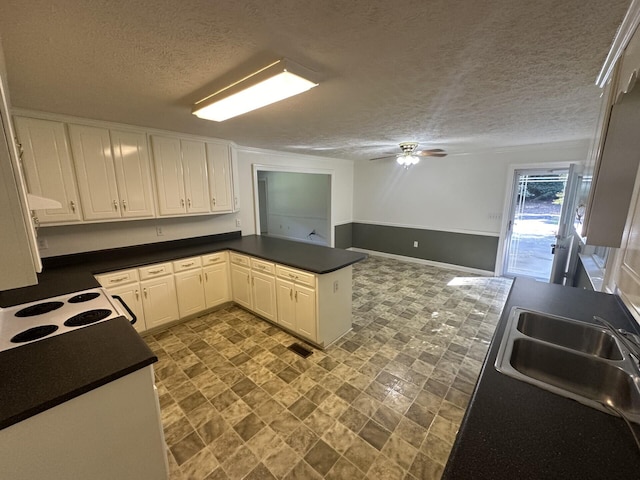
[275, 82]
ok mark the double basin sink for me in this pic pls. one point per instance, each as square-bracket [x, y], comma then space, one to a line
[586, 362]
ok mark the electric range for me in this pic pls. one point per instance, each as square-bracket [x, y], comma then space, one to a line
[30, 322]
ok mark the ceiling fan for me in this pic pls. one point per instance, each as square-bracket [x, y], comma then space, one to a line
[410, 156]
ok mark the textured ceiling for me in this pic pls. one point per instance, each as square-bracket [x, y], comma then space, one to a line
[454, 74]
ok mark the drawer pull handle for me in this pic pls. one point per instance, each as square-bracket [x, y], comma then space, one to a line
[291, 293]
[187, 264]
[206, 276]
[137, 294]
[159, 270]
[73, 206]
[115, 204]
[200, 278]
[124, 204]
[118, 280]
[144, 290]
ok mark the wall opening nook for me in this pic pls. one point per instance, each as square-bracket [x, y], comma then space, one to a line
[294, 203]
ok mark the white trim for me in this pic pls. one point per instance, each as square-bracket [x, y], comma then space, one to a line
[56, 117]
[255, 167]
[421, 261]
[288, 155]
[509, 192]
[625, 31]
[423, 227]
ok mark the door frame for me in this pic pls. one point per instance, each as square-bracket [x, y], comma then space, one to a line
[506, 208]
[256, 167]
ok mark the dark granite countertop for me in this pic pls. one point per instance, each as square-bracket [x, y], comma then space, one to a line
[46, 373]
[72, 273]
[515, 430]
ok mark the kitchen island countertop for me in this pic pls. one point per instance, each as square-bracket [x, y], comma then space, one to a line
[516, 430]
[73, 273]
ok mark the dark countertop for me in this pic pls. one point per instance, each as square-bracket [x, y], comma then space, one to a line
[515, 430]
[73, 273]
[46, 373]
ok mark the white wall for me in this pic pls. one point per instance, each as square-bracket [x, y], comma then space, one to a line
[342, 191]
[458, 193]
[68, 239]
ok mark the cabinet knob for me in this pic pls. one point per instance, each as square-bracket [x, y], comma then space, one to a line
[115, 204]
[137, 295]
[213, 200]
[144, 290]
[189, 202]
[72, 204]
[182, 202]
[124, 204]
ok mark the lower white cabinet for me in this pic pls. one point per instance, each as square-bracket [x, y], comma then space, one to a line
[216, 284]
[241, 286]
[189, 286]
[132, 296]
[159, 301]
[297, 308]
[263, 291]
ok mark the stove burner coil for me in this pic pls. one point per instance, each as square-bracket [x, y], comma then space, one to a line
[83, 297]
[87, 318]
[34, 333]
[39, 309]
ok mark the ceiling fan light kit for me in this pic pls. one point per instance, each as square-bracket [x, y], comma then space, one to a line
[410, 156]
[277, 81]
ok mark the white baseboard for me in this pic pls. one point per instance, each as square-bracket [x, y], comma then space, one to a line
[421, 261]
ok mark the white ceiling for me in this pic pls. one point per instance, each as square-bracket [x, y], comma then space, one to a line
[454, 74]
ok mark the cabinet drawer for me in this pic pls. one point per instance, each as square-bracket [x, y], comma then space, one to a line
[213, 258]
[298, 276]
[240, 259]
[157, 270]
[187, 264]
[122, 277]
[262, 266]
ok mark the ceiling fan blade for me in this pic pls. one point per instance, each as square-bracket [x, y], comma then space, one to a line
[383, 158]
[434, 152]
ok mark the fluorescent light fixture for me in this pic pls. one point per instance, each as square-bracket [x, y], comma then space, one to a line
[275, 82]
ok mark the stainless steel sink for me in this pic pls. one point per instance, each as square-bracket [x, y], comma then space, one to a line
[574, 359]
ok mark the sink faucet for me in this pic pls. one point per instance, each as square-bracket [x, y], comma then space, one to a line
[630, 340]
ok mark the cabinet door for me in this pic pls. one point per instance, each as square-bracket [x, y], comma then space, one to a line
[216, 284]
[48, 168]
[219, 166]
[286, 304]
[93, 160]
[241, 286]
[159, 301]
[305, 299]
[132, 296]
[133, 173]
[264, 295]
[190, 292]
[167, 160]
[194, 165]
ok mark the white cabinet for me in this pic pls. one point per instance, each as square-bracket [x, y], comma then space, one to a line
[181, 175]
[196, 183]
[48, 168]
[297, 301]
[215, 269]
[189, 286]
[159, 298]
[241, 285]
[132, 296]
[133, 173]
[126, 284]
[263, 289]
[103, 193]
[220, 177]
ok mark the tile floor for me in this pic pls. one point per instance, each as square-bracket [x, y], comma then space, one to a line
[384, 402]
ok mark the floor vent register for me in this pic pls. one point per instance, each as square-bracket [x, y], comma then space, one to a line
[300, 350]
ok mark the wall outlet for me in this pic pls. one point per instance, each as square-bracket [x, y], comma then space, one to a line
[42, 243]
[335, 286]
[415, 244]
[238, 223]
[159, 231]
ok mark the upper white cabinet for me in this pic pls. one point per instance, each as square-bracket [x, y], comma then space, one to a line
[220, 177]
[105, 194]
[48, 168]
[133, 173]
[181, 175]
